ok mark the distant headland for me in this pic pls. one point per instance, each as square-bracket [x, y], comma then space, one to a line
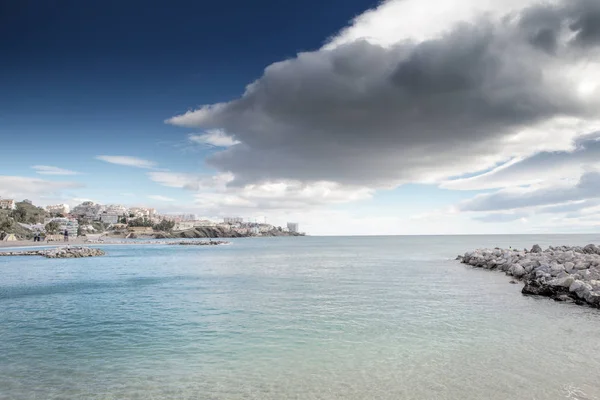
[25, 221]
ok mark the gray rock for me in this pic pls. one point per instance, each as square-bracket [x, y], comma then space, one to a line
[556, 269]
[569, 266]
[517, 271]
[536, 249]
[565, 282]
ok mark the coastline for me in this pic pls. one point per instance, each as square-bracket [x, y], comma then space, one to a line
[29, 244]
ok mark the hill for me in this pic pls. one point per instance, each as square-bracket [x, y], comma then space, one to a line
[24, 213]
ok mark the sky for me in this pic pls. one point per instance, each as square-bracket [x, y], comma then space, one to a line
[350, 117]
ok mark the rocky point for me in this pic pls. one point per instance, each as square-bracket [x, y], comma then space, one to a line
[563, 273]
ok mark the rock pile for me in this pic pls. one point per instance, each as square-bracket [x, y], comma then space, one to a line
[73, 252]
[563, 273]
[200, 243]
[60, 252]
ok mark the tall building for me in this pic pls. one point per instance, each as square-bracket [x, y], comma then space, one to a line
[116, 209]
[110, 218]
[292, 227]
[58, 209]
[88, 210]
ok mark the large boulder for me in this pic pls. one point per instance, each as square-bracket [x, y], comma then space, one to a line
[565, 282]
[591, 249]
[517, 271]
[536, 249]
[556, 269]
[569, 266]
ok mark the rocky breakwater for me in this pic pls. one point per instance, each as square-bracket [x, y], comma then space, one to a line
[73, 252]
[200, 243]
[563, 273]
[60, 252]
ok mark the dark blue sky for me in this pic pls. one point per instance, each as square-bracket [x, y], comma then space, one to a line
[80, 79]
[128, 65]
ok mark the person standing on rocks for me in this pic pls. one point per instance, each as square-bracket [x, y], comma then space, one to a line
[66, 235]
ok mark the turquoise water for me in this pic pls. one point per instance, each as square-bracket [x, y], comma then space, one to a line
[290, 318]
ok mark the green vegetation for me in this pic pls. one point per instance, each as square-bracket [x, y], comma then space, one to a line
[28, 213]
[140, 222]
[52, 227]
[24, 213]
[164, 226]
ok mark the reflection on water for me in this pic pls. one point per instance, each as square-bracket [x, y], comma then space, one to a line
[290, 318]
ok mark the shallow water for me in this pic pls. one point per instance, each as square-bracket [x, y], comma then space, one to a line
[291, 318]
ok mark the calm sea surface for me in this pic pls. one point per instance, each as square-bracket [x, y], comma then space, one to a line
[291, 318]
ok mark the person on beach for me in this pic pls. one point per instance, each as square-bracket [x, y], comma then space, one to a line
[66, 235]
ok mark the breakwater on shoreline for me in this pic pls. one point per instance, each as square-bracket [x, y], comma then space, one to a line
[59, 252]
[563, 273]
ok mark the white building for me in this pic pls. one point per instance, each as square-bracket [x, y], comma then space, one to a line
[141, 212]
[292, 227]
[184, 225]
[233, 220]
[110, 218]
[205, 223]
[7, 204]
[88, 210]
[116, 209]
[58, 209]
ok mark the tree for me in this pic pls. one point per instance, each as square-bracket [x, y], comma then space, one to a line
[6, 225]
[20, 214]
[52, 227]
[140, 222]
[165, 226]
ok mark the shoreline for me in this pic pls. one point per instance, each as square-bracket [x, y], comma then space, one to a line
[28, 244]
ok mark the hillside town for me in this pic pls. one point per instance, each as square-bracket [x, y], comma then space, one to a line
[20, 220]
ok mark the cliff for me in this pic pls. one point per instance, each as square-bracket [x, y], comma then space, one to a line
[216, 232]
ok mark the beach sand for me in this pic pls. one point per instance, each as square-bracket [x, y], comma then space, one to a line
[31, 243]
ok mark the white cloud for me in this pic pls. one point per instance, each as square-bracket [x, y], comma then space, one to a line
[503, 90]
[127, 161]
[502, 217]
[288, 195]
[214, 137]
[587, 187]
[214, 193]
[191, 181]
[161, 198]
[50, 170]
[432, 94]
[542, 167]
[397, 20]
[20, 187]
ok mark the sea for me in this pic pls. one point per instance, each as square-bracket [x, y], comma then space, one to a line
[291, 318]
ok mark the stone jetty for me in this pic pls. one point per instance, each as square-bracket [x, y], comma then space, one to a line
[562, 273]
[60, 252]
[199, 243]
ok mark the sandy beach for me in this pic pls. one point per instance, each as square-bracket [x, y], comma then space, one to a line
[31, 243]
